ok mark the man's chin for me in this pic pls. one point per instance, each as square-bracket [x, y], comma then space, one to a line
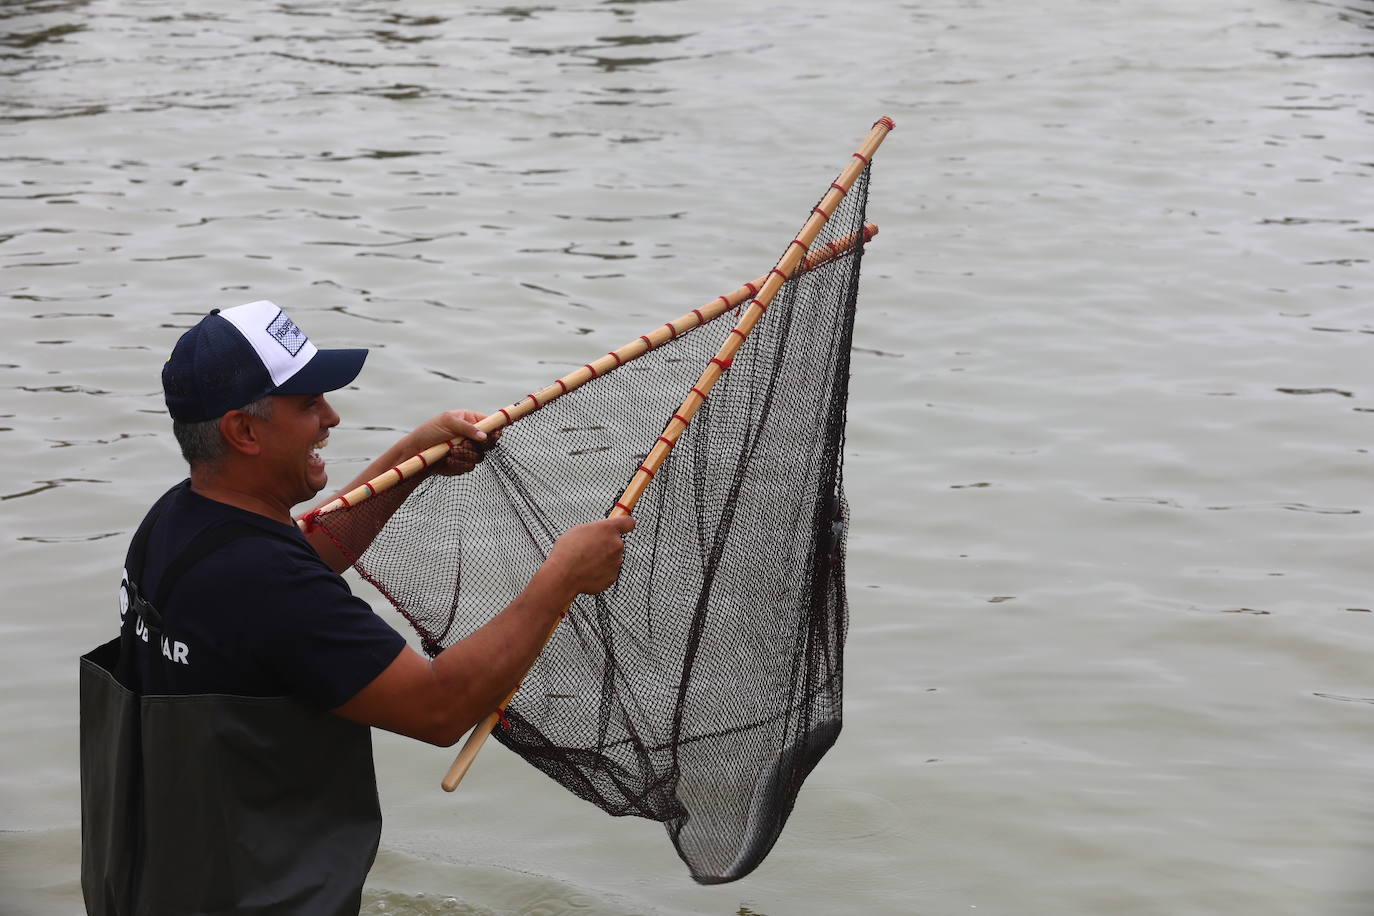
[315, 482]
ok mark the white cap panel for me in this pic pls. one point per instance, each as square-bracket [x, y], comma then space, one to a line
[283, 348]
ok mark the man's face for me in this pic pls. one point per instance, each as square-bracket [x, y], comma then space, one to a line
[291, 440]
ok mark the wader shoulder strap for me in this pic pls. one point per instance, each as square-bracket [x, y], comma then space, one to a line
[200, 547]
[204, 544]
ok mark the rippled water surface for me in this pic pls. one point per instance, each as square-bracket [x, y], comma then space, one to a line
[1110, 427]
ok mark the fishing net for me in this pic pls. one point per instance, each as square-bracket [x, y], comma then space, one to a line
[704, 686]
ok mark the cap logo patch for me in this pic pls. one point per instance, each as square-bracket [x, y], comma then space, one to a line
[284, 331]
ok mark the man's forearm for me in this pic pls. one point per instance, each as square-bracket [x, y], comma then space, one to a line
[349, 532]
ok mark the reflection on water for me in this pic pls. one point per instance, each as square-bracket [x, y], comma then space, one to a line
[1109, 444]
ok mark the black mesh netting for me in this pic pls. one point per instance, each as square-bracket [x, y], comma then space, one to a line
[703, 687]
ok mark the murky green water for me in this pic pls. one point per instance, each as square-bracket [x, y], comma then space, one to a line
[1109, 433]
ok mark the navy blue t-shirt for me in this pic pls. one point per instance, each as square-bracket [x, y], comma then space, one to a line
[259, 616]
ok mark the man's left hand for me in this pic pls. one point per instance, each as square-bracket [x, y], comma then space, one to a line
[459, 425]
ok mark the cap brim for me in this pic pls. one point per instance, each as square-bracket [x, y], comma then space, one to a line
[329, 370]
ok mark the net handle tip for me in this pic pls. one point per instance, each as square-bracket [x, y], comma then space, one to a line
[463, 762]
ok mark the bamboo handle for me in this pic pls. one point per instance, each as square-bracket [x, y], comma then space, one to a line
[791, 260]
[482, 730]
[579, 377]
[476, 738]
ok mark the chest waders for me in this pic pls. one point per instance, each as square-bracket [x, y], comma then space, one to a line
[214, 804]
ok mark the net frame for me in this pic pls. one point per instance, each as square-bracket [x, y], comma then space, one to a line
[792, 262]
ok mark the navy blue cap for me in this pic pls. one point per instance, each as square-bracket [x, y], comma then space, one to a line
[233, 357]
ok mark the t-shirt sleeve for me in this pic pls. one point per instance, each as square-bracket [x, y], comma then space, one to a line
[313, 634]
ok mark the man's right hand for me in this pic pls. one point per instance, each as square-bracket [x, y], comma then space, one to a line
[587, 558]
[437, 701]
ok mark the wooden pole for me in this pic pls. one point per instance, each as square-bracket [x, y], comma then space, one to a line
[579, 377]
[791, 261]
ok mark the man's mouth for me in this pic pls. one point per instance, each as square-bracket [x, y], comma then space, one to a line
[316, 448]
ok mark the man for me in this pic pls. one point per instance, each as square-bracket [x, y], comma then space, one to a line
[225, 744]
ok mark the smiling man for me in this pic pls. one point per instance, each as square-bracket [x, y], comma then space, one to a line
[226, 755]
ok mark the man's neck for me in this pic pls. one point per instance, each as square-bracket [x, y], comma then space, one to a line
[225, 486]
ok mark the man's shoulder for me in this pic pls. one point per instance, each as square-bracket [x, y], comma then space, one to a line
[244, 554]
[238, 549]
[186, 515]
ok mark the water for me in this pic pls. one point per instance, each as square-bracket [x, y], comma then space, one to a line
[1110, 427]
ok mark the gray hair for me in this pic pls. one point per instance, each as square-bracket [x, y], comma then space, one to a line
[201, 442]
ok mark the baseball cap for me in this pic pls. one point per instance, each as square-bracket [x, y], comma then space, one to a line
[235, 356]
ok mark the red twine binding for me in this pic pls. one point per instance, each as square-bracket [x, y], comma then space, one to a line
[862, 158]
[502, 412]
[501, 718]
[723, 363]
[535, 400]
[647, 471]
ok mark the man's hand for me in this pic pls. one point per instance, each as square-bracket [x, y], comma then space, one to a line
[437, 701]
[454, 424]
[587, 558]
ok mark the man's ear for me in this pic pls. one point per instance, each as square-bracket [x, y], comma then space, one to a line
[237, 429]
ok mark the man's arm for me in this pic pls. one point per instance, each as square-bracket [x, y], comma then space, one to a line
[439, 700]
[357, 530]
